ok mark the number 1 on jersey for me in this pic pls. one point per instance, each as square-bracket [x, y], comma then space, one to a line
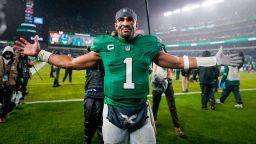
[128, 73]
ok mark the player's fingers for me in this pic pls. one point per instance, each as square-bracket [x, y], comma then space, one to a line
[234, 55]
[237, 58]
[24, 41]
[36, 38]
[236, 63]
[233, 64]
[19, 43]
[18, 47]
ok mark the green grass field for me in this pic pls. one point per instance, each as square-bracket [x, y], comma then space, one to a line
[62, 123]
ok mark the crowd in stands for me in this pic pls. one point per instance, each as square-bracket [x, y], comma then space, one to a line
[219, 24]
[213, 32]
[228, 20]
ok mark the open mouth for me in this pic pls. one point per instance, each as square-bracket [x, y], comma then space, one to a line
[125, 30]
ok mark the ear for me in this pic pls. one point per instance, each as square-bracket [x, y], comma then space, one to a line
[116, 26]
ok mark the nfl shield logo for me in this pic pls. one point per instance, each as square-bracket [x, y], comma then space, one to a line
[127, 48]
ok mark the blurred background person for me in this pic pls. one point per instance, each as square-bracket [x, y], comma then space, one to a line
[56, 70]
[52, 70]
[162, 83]
[24, 75]
[185, 79]
[68, 72]
[230, 82]
[8, 78]
[177, 74]
[93, 103]
[216, 81]
[194, 77]
[207, 83]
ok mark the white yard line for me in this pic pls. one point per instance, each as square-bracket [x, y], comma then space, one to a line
[54, 101]
[77, 100]
[198, 92]
[73, 83]
[38, 67]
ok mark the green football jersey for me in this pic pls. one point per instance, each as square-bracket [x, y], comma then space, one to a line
[126, 65]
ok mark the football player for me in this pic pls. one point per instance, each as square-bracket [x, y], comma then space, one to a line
[126, 60]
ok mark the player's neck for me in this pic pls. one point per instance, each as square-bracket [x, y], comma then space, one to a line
[126, 40]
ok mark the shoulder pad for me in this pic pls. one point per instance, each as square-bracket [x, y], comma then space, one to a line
[103, 39]
[100, 42]
[148, 38]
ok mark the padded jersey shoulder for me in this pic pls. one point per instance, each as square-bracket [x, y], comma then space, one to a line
[100, 42]
[149, 42]
[147, 38]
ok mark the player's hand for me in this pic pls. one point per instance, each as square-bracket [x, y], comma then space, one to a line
[231, 60]
[26, 48]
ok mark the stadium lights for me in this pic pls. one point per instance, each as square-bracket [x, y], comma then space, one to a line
[176, 11]
[218, 1]
[185, 9]
[196, 6]
[211, 2]
[168, 13]
[192, 7]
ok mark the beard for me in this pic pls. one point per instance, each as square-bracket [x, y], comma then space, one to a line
[127, 32]
[126, 36]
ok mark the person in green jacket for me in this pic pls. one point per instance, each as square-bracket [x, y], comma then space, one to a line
[230, 82]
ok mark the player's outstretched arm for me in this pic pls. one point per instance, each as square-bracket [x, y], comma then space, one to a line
[82, 62]
[64, 61]
[170, 61]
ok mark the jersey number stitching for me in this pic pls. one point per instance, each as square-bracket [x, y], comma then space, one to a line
[128, 74]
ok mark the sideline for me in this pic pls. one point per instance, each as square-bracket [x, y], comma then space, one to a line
[78, 100]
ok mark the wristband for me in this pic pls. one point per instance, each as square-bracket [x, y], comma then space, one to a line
[186, 62]
[44, 55]
[206, 61]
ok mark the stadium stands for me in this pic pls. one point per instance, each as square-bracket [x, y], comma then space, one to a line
[231, 24]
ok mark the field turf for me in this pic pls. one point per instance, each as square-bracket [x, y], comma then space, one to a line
[62, 122]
